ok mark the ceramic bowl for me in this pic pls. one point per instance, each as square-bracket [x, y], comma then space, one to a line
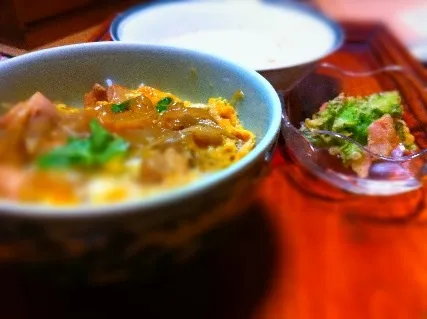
[128, 240]
[269, 38]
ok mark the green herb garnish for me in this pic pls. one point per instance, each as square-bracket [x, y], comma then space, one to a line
[121, 107]
[163, 104]
[94, 151]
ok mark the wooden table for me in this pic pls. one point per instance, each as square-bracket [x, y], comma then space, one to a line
[303, 250]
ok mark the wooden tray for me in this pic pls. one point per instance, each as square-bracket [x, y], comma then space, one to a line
[304, 250]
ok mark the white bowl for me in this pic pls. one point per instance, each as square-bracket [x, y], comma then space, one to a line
[264, 37]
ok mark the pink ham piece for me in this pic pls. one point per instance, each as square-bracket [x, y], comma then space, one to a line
[382, 136]
[382, 140]
[98, 93]
[158, 166]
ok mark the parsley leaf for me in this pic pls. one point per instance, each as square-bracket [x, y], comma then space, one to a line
[121, 107]
[75, 153]
[163, 104]
[99, 148]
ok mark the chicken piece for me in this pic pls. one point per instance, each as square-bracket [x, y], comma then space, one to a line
[382, 136]
[160, 166]
[36, 106]
[205, 136]
[98, 93]
[25, 127]
[116, 93]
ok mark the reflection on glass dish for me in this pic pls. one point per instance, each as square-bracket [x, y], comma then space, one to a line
[388, 175]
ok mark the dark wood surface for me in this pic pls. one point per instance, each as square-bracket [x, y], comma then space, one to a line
[28, 25]
[304, 250]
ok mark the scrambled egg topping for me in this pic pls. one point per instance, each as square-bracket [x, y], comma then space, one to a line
[123, 144]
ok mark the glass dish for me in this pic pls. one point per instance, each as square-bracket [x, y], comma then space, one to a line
[388, 175]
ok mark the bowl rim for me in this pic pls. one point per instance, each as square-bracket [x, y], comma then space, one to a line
[335, 27]
[168, 196]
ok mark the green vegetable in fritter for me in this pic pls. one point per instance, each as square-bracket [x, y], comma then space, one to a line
[352, 117]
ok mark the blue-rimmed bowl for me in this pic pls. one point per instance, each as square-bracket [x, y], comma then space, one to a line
[114, 242]
[270, 38]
